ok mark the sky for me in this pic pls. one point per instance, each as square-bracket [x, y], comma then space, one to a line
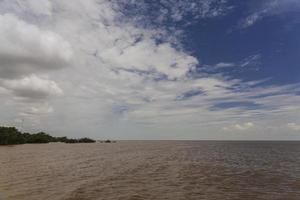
[143, 69]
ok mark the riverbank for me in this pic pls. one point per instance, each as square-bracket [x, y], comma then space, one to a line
[12, 136]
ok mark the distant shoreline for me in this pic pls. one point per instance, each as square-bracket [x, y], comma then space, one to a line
[12, 136]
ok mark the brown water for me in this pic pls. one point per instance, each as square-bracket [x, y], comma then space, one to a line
[151, 170]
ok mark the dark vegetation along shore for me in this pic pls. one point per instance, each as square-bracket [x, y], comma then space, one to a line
[11, 135]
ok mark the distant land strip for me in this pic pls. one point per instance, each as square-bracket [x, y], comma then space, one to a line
[12, 136]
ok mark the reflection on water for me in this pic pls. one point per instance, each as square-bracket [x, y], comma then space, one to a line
[151, 170]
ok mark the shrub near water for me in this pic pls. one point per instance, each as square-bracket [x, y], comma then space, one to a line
[11, 135]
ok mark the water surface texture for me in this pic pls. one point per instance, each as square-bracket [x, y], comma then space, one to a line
[135, 170]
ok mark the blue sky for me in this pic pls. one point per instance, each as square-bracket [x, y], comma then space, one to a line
[271, 38]
[167, 69]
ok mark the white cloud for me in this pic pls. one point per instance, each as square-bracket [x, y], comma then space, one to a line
[26, 49]
[32, 87]
[121, 80]
[27, 53]
[224, 65]
[239, 127]
[251, 19]
[37, 111]
[174, 10]
[39, 7]
[27, 8]
[148, 56]
[250, 62]
[269, 8]
[293, 126]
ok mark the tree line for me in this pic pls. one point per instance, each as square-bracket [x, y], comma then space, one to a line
[11, 135]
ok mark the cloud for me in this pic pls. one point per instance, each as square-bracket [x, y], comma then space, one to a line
[26, 49]
[37, 111]
[27, 53]
[251, 19]
[247, 105]
[32, 87]
[148, 56]
[269, 8]
[171, 16]
[189, 94]
[293, 126]
[126, 76]
[27, 8]
[224, 65]
[39, 7]
[251, 62]
[175, 10]
[239, 127]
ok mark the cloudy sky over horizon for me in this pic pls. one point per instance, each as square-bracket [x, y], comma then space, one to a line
[140, 69]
